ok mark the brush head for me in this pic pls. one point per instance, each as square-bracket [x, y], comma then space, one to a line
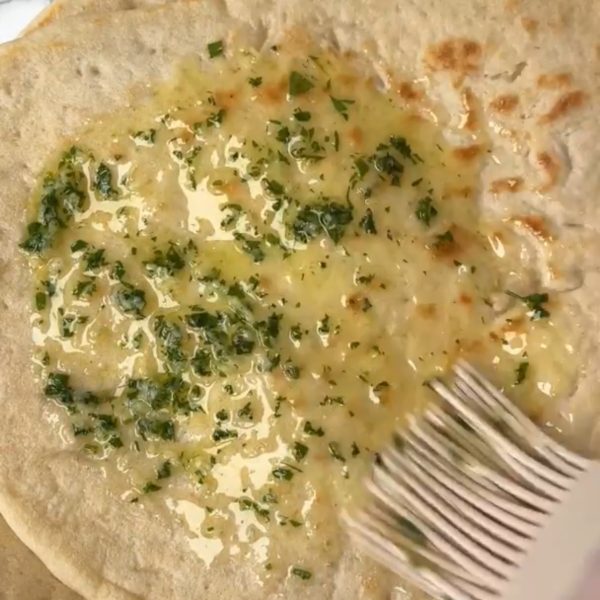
[474, 502]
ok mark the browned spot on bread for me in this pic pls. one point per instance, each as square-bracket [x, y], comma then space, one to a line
[408, 91]
[272, 94]
[358, 303]
[451, 244]
[529, 25]
[551, 169]
[505, 103]
[459, 55]
[465, 299]
[508, 184]
[468, 153]
[356, 136]
[566, 103]
[553, 81]
[470, 119]
[534, 224]
[516, 325]
[427, 311]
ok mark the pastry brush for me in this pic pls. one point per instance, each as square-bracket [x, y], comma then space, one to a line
[472, 501]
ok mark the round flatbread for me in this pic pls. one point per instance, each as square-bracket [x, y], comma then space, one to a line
[534, 100]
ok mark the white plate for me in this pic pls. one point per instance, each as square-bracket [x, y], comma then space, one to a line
[16, 14]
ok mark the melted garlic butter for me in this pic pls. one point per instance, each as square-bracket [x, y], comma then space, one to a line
[242, 285]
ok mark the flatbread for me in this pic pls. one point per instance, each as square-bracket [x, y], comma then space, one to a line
[57, 78]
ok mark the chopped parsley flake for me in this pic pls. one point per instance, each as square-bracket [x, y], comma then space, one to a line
[301, 573]
[298, 84]
[148, 136]
[535, 303]
[215, 48]
[367, 223]
[85, 287]
[165, 263]
[334, 450]
[330, 218]
[156, 429]
[103, 182]
[521, 373]
[151, 487]
[219, 434]
[311, 430]
[164, 470]
[299, 451]
[94, 259]
[426, 211]
[341, 106]
[282, 473]
[58, 388]
[443, 240]
[131, 301]
[302, 115]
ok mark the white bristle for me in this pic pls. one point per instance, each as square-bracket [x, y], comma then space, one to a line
[461, 496]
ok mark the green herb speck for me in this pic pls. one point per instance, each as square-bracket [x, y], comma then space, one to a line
[298, 84]
[215, 48]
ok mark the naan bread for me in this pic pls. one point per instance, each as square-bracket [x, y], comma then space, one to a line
[532, 71]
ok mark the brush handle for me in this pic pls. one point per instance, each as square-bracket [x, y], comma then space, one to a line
[563, 561]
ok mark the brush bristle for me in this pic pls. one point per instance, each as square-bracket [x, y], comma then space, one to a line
[459, 495]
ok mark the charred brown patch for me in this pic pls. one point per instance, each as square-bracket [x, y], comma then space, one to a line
[531, 26]
[534, 224]
[505, 104]
[358, 303]
[465, 299]
[427, 311]
[506, 185]
[409, 91]
[516, 325]
[554, 81]
[450, 244]
[273, 94]
[551, 169]
[459, 55]
[356, 136]
[471, 118]
[564, 105]
[468, 153]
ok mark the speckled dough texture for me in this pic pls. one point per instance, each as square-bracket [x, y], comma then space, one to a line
[530, 71]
